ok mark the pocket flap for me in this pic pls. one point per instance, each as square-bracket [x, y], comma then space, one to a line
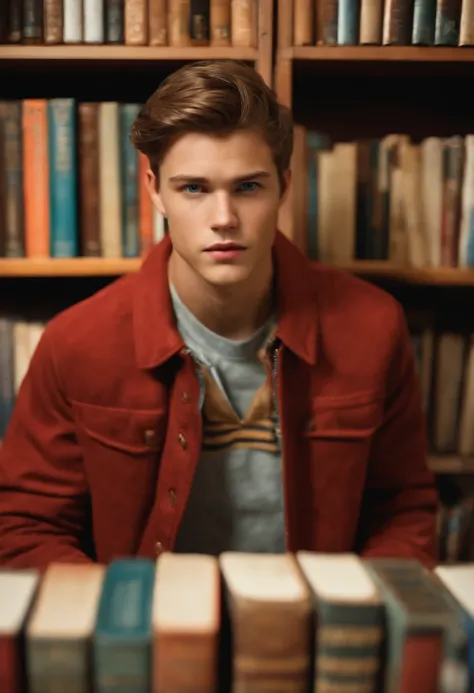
[133, 431]
[356, 419]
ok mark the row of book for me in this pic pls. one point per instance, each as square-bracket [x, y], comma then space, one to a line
[18, 342]
[238, 622]
[71, 182]
[445, 363]
[130, 22]
[455, 524]
[383, 22]
[390, 199]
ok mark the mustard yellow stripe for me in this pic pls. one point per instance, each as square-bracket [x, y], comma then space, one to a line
[239, 435]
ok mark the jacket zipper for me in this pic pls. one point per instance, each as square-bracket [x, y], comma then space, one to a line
[187, 351]
[275, 349]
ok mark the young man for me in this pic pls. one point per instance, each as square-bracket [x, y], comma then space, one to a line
[231, 395]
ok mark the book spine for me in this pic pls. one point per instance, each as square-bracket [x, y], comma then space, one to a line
[122, 640]
[136, 22]
[424, 18]
[348, 22]
[371, 12]
[14, 25]
[179, 17]
[57, 665]
[398, 22]
[242, 23]
[114, 21]
[157, 23]
[348, 652]
[94, 21]
[32, 21]
[62, 181]
[200, 20]
[327, 22]
[466, 27]
[220, 23]
[11, 670]
[448, 18]
[10, 113]
[73, 18]
[129, 168]
[110, 186]
[89, 179]
[36, 177]
[53, 21]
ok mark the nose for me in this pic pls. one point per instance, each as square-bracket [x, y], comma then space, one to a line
[223, 213]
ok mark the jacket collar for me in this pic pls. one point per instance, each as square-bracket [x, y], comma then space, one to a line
[157, 338]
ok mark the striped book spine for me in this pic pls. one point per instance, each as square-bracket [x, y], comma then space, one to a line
[349, 622]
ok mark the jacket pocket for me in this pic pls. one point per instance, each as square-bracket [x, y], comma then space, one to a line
[132, 431]
[354, 417]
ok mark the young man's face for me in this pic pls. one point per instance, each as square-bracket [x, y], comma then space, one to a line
[221, 196]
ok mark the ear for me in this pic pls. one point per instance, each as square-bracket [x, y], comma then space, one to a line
[154, 192]
[286, 180]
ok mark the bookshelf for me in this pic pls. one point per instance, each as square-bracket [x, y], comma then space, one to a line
[351, 93]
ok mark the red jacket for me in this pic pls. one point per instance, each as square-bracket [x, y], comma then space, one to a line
[99, 457]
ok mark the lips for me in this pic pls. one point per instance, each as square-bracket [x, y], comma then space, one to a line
[224, 247]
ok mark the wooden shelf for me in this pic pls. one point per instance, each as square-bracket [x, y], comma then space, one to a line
[115, 53]
[441, 54]
[435, 276]
[68, 267]
[451, 464]
[77, 267]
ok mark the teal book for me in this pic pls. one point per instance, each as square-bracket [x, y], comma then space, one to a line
[129, 167]
[63, 178]
[419, 620]
[349, 621]
[123, 633]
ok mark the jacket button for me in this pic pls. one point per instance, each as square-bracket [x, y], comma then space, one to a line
[182, 441]
[150, 436]
[172, 496]
[158, 548]
[185, 398]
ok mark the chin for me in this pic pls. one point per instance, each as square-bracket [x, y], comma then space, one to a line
[226, 275]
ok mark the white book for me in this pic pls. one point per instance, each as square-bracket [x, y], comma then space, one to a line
[94, 21]
[72, 22]
[110, 180]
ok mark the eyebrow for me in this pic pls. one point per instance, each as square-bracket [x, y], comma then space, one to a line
[184, 177]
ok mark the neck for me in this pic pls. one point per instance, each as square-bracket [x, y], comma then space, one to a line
[234, 312]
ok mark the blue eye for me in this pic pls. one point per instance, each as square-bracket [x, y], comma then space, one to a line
[193, 188]
[249, 186]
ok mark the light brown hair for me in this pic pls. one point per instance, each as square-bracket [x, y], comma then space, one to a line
[218, 97]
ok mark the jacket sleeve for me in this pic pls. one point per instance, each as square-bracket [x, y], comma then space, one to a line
[400, 503]
[43, 490]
